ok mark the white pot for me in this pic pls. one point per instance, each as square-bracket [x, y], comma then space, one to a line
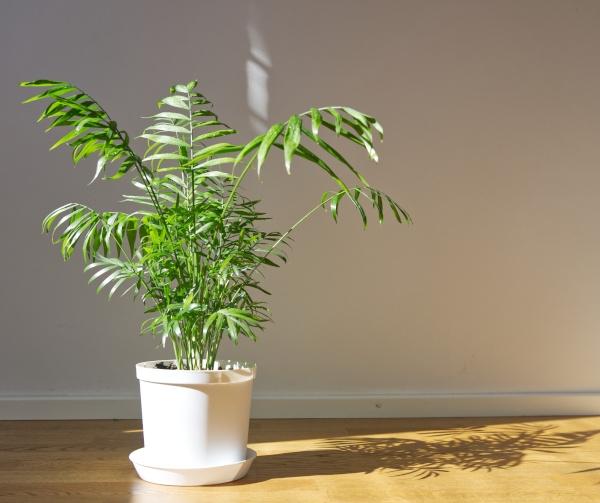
[195, 418]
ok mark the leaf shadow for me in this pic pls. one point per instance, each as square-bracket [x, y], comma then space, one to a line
[431, 455]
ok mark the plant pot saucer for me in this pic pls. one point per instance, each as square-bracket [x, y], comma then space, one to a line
[189, 476]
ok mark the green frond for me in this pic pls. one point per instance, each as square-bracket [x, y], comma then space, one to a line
[90, 128]
[74, 222]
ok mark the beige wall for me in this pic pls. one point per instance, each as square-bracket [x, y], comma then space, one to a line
[492, 117]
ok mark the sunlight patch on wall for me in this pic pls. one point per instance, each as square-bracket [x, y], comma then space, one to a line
[257, 79]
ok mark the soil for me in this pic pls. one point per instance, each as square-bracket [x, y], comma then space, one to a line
[165, 365]
[169, 366]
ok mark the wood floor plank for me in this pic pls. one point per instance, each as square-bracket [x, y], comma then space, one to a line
[463, 460]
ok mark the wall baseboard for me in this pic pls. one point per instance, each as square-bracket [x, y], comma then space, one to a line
[321, 406]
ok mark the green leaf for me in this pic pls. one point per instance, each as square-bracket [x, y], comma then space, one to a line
[100, 272]
[212, 150]
[102, 160]
[51, 217]
[86, 246]
[366, 121]
[180, 88]
[291, 140]
[199, 124]
[216, 174]
[41, 83]
[168, 128]
[51, 110]
[49, 93]
[115, 287]
[324, 198]
[204, 113]
[232, 330]
[176, 101]
[378, 203]
[170, 155]
[126, 165]
[84, 109]
[338, 119]
[89, 122]
[354, 195]
[188, 300]
[363, 142]
[249, 147]
[165, 140]
[315, 120]
[66, 138]
[305, 153]
[334, 153]
[68, 217]
[168, 115]
[360, 117]
[214, 134]
[334, 204]
[268, 140]
[214, 162]
[83, 150]
[378, 127]
[399, 213]
[107, 280]
[91, 266]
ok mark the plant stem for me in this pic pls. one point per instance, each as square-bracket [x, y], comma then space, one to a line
[291, 229]
[238, 182]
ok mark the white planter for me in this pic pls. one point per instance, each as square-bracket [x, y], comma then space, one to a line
[195, 419]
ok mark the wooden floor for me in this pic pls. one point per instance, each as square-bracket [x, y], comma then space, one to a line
[524, 460]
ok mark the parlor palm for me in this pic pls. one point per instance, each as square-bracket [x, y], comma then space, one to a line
[194, 249]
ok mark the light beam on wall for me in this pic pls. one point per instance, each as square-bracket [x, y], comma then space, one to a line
[257, 79]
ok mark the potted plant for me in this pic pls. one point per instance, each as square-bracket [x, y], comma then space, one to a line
[193, 253]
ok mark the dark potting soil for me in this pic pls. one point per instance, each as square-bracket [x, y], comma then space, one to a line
[165, 365]
[169, 366]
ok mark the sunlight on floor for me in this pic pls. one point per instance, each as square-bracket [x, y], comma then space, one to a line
[468, 460]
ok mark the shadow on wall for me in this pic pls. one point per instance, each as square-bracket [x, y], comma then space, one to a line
[469, 449]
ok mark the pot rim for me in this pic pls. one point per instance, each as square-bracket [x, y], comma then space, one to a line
[245, 371]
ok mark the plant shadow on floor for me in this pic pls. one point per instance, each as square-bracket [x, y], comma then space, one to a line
[470, 449]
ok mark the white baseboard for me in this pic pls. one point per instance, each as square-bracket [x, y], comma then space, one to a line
[321, 406]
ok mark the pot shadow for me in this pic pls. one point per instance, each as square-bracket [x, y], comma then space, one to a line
[470, 449]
